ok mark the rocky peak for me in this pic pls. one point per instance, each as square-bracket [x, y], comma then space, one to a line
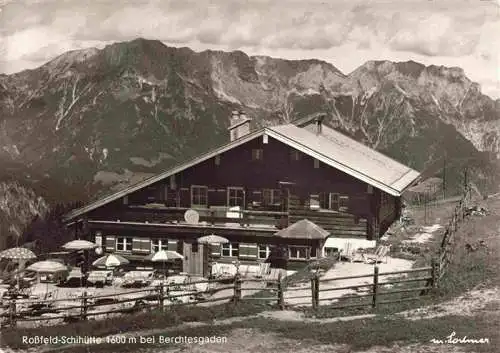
[88, 115]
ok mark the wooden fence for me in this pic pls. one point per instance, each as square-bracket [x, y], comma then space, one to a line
[161, 298]
[382, 285]
[446, 248]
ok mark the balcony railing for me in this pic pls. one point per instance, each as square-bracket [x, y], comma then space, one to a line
[213, 216]
[339, 223]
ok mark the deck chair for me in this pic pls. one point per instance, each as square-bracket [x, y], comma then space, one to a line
[348, 251]
[263, 269]
[380, 253]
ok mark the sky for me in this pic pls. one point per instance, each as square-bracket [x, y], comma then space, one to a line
[346, 33]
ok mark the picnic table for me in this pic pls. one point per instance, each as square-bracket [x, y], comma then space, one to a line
[138, 278]
[100, 277]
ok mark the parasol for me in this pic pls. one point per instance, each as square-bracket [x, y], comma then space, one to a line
[21, 255]
[79, 245]
[164, 256]
[212, 239]
[111, 260]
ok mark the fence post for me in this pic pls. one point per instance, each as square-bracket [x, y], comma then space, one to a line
[315, 291]
[12, 312]
[281, 297]
[375, 286]
[434, 272]
[161, 297]
[84, 306]
[237, 288]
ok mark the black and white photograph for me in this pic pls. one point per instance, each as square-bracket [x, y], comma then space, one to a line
[250, 176]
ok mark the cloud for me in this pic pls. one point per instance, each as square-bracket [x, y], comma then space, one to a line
[413, 29]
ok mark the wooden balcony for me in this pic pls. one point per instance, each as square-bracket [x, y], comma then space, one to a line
[217, 216]
[339, 223]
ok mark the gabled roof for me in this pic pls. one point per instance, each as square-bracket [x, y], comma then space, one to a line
[330, 147]
[350, 156]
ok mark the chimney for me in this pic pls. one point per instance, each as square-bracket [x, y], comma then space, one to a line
[319, 125]
[239, 125]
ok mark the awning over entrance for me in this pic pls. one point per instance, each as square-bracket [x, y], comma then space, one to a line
[303, 229]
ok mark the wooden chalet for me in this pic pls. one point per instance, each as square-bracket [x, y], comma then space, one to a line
[249, 189]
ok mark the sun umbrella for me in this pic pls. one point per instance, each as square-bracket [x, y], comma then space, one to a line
[111, 260]
[79, 245]
[212, 239]
[21, 255]
[18, 254]
[164, 256]
[48, 266]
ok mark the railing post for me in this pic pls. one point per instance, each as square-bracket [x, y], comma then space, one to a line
[212, 217]
[375, 286]
[84, 306]
[12, 312]
[237, 288]
[281, 296]
[243, 219]
[161, 297]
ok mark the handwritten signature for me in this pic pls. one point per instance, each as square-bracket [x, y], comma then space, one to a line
[451, 339]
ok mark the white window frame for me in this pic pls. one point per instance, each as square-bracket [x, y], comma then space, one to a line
[274, 196]
[199, 187]
[262, 248]
[331, 202]
[122, 243]
[316, 198]
[294, 251]
[232, 248]
[162, 244]
[229, 197]
[344, 202]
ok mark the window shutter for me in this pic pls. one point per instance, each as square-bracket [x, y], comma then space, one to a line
[136, 245]
[141, 245]
[215, 249]
[110, 242]
[248, 251]
[172, 245]
[145, 245]
[243, 250]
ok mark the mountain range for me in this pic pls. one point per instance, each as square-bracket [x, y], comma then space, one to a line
[91, 121]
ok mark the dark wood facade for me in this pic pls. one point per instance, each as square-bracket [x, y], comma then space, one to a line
[273, 184]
